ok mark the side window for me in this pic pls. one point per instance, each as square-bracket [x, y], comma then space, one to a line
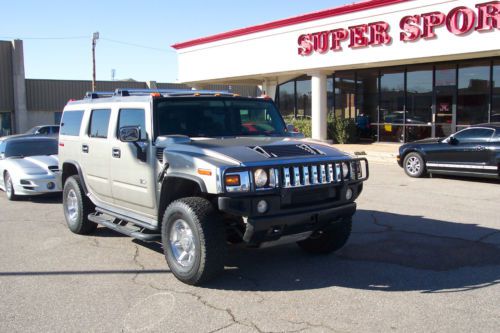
[44, 130]
[55, 129]
[71, 122]
[99, 123]
[474, 135]
[2, 148]
[132, 117]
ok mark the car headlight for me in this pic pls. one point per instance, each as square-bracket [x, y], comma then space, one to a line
[345, 170]
[261, 178]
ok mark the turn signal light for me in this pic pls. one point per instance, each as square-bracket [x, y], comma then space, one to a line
[155, 95]
[204, 172]
[232, 180]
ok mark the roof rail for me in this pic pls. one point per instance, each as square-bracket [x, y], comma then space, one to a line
[98, 94]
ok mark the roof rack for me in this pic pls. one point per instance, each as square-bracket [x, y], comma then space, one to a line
[98, 94]
[123, 92]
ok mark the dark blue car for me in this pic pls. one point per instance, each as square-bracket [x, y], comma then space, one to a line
[474, 151]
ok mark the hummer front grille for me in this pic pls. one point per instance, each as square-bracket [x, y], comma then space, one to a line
[321, 173]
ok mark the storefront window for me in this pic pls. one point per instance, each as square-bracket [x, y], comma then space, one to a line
[418, 120]
[367, 104]
[473, 93]
[329, 95]
[392, 105]
[495, 108]
[345, 99]
[446, 87]
[5, 124]
[287, 99]
[304, 93]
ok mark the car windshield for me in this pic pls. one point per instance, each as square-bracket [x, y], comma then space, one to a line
[218, 117]
[30, 148]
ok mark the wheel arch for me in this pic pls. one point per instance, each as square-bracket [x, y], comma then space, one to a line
[71, 168]
[175, 187]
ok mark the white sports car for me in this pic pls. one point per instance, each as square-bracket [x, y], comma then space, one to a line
[28, 165]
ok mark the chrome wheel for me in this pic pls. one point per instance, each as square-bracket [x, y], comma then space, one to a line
[72, 205]
[182, 243]
[413, 165]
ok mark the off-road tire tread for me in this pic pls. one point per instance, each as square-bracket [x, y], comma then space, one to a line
[85, 226]
[211, 233]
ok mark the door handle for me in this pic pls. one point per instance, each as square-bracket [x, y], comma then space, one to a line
[117, 153]
[480, 148]
[85, 149]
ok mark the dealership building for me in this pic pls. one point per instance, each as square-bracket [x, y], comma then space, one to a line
[401, 69]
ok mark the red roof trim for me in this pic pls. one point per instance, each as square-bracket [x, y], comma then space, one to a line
[346, 9]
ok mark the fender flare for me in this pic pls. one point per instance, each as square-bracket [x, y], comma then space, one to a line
[192, 178]
[78, 170]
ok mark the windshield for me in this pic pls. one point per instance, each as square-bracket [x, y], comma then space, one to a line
[218, 117]
[31, 148]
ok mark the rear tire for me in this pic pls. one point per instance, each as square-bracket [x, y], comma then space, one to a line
[329, 239]
[414, 165]
[9, 188]
[77, 206]
[194, 242]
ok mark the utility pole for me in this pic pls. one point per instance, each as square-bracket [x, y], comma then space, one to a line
[95, 37]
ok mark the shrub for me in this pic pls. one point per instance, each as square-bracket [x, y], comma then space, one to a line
[339, 130]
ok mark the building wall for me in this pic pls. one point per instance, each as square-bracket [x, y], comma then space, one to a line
[6, 80]
[275, 53]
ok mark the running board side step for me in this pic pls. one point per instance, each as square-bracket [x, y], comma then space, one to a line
[134, 233]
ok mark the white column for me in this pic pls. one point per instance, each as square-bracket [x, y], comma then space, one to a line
[269, 86]
[319, 106]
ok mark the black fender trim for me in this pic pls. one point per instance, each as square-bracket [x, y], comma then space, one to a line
[80, 174]
[195, 179]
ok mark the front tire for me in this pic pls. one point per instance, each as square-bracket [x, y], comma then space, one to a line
[329, 239]
[77, 207]
[414, 165]
[9, 188]
[193, 239]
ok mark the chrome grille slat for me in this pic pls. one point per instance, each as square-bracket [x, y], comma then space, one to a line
[305, 172]
[286, 173]
[323, 174]
[296, 177]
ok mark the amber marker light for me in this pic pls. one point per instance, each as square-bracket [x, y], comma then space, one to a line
[204, 172]
[156, 95]
[232, 180]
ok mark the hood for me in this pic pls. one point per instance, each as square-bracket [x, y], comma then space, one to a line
[249, 150]
[37, 164]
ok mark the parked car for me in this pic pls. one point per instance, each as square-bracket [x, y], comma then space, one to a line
[44, 130]
[474, 151]
[28, 165]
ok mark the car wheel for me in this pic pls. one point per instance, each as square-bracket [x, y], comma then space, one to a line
[329, 239]
[77, 207]
[9, 187]
[193, 238]
[414, 165]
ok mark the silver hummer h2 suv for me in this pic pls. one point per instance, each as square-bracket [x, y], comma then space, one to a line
[199, 171]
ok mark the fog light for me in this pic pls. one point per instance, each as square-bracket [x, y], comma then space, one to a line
[51, 185]
[348, 194]
[262, 206]
[25, 182]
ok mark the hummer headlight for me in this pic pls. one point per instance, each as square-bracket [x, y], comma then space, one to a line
[345, 169]
[261, 178]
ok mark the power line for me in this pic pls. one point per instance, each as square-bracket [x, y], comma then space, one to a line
[45, 38]
[136, 45]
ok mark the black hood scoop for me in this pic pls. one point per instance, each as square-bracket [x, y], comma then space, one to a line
[275, 151]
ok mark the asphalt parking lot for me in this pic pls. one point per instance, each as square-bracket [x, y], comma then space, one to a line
[424, 256]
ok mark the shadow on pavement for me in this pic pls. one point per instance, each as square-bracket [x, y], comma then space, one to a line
[413, 253]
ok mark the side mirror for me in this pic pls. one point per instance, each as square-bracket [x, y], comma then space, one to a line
[130, 134]
[292, 131]
[453, 141]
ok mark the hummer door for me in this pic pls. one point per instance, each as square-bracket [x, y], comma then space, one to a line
[133, 182]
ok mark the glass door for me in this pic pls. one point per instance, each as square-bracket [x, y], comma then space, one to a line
[445, 112]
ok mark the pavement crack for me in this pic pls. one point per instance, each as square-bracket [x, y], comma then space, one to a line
[137, 262]
[311, 325]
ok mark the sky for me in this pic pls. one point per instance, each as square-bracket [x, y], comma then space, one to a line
[135, 36]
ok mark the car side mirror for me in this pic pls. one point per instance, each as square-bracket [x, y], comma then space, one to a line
[130, 134]
[453, 141]
[292, 131]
